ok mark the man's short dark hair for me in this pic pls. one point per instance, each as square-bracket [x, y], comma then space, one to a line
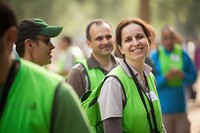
[97, 22]
[67, 39]
[7, 18]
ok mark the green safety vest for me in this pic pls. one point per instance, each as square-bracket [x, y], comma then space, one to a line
[134, 118]
[94, 76]
[134, 114]
[168, 62]
[29, 102]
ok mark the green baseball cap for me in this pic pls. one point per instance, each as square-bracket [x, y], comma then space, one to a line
[31, 27]
[46, 29]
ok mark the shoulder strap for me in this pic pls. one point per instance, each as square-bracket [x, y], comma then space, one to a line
[6, 88]
[152, 108]
[143, 101]
[99, 87]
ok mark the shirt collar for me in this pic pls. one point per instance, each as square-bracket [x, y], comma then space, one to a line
[93, 63]
[147, 69]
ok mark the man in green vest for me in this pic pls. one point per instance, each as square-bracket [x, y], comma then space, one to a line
[32, 100]
[87, 74]
[34, 40]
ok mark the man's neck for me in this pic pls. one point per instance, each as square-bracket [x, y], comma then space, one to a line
[104, 61]
[4, 70]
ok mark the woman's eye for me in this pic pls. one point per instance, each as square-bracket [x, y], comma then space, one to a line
[140, 37]
[127, 40]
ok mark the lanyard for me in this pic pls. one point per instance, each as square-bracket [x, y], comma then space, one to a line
[139, 88]
[6, 88]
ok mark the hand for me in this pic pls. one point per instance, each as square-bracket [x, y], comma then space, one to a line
[170, 74]
[173, 73]
[179, 73]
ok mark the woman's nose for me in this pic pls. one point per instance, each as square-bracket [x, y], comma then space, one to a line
[135, 42]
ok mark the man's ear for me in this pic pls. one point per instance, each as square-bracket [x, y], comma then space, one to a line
[10, 36]
[28, 45]
[88, 42]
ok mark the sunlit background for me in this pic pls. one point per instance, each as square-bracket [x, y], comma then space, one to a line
[74, 15]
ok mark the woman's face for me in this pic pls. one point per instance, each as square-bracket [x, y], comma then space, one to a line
[135, 45]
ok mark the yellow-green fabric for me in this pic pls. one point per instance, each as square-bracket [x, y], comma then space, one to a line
[168, 62]
[134, 114]
[29, 101]
[95, 75]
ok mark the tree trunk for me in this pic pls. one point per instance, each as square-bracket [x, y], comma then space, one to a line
[145, 10]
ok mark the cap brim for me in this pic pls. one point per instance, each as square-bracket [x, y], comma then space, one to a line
[51, 31]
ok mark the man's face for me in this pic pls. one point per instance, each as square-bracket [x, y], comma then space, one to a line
[42, 50]
[101, 39]
[168, 39]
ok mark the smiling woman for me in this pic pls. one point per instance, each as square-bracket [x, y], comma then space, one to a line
[128, 99]
[135, 45]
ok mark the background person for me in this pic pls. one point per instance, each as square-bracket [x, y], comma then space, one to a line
[173, 71]
[87, 74]
[68, 56]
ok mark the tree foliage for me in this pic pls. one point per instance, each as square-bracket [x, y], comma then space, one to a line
[184, 15]
[75, 14]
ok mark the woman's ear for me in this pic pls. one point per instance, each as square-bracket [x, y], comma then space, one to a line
[149, 43]
[120, 49]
